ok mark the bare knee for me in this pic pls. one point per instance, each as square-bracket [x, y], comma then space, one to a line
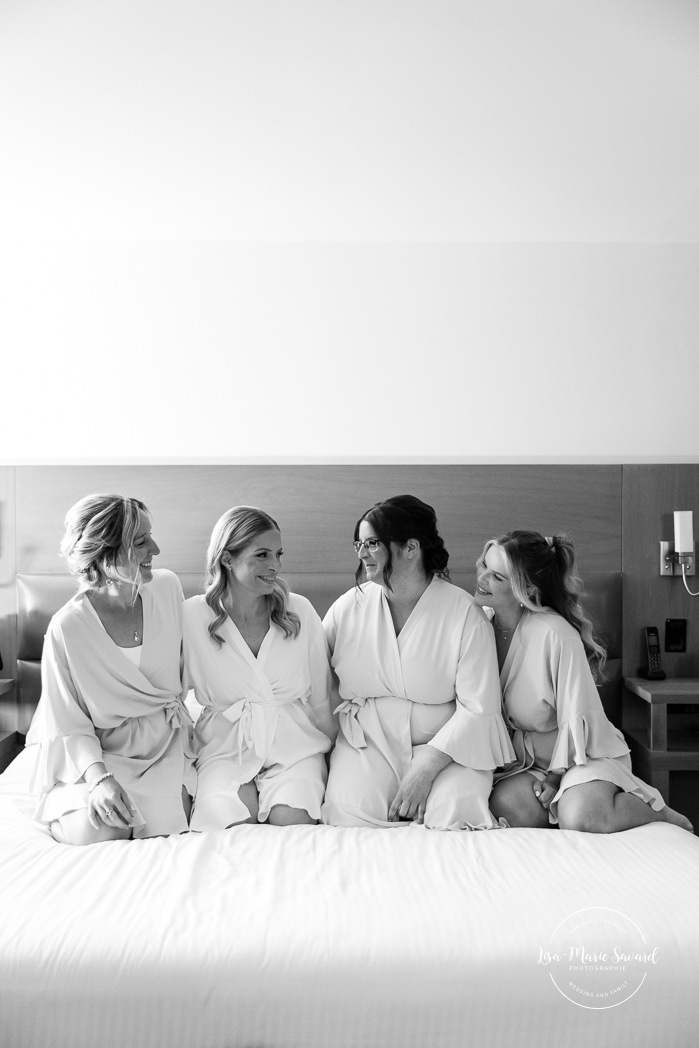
[79, 831]
[582, 814]
[513, 800]
[283, 815]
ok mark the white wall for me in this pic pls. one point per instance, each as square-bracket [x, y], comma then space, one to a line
[306, 229]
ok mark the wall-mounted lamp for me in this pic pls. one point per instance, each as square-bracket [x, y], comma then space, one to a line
[677, 558]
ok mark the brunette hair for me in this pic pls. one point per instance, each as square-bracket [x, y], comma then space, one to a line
[233, 531]
[404, 517]
[543, 574]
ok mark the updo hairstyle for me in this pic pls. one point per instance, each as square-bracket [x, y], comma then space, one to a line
[98, 529]
[399, 519]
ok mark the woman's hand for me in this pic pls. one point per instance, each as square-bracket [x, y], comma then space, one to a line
[545, 792]
[108, 804]
[411, 799]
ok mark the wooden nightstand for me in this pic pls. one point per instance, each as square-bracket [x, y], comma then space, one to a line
[9, 746]
[662, 733]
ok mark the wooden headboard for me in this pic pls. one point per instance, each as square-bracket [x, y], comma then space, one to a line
[39, 596]
[316, 507]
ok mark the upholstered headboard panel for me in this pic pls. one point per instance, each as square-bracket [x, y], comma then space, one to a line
[40, 596]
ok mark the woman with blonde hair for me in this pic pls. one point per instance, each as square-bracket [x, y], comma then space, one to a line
[255, 655]
[573, 766]
[112, 736]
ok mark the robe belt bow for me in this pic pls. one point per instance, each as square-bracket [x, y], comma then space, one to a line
[254, 729]
[348, 714]
[177, 715]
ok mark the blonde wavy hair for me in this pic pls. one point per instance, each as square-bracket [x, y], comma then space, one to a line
[543, 575]
[98, 530]
[233, 531]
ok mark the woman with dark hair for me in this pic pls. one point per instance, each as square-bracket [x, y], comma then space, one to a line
[256, 657]
[420, 723]
[113, 756]
[573, 766]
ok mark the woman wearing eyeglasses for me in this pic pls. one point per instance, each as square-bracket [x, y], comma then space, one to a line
[255, 655]
[420, 725]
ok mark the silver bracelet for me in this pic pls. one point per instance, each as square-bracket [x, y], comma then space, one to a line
[107, 775]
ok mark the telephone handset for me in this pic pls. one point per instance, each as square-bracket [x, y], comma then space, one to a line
[652, 670]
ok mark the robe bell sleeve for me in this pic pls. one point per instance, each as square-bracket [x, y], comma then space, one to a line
[62, 729]
[583, 728]
[476, 736]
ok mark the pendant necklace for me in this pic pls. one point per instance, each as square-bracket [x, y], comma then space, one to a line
[505, 634]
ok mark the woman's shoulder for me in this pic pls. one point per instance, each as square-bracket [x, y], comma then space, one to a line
[196, 607]
[548, 623]
[165, 581]
[72, 612]
[301, 605]
[453, 595]
[355, 598]
[450, 589]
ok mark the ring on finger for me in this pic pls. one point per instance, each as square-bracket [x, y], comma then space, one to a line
[109, 812]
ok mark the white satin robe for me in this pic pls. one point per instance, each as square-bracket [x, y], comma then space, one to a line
[265, 718]
[554, 712]
[436, 683]
[96, 705]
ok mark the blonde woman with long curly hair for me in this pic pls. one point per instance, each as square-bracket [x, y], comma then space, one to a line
[256, 657]
[573, 766]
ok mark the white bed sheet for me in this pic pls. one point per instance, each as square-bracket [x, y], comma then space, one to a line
[263, 937]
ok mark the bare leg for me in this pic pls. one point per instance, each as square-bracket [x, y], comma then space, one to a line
[601, 807]
[283, 815]
[186, 804]
[513, 799]
[75, 828]
[249, 797]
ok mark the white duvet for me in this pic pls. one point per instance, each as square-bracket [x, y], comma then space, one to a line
[264, 937]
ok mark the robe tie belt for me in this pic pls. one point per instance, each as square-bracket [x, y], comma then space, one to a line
[522, 745]
[177, 715]
[348, 714]
[254, 726]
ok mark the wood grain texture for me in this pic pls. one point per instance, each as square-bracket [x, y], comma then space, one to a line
[317, 506]
[40, 596]
[650, 495]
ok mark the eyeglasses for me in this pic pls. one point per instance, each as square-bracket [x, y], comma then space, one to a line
[371, 545]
